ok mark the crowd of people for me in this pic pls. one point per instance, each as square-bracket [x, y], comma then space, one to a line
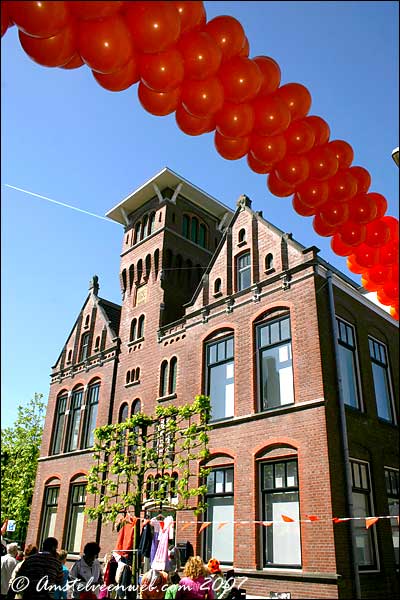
[43, 575]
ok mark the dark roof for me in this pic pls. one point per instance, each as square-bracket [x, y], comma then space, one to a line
[113, 312]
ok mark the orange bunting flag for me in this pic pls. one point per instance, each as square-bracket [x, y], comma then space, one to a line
[4, 527]
[186, 525]
[337, 520]
[266, 523]
[287, 519]
[204, 526]
[369, 521]
[222, 524]
[312, 517]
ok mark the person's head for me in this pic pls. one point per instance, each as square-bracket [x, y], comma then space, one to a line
[50, 544]
[20, 555]
[174, 578]
[153, 579]
[12, 549]
[91, 551]
[62, 556]
[194, 568]
[214, 566]
[30, 549]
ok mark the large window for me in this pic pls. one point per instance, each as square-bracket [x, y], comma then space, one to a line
[243, 271]
[76, 518]
[275, 363]
[49, 512]
[219, 542]
[74, 420]
[280, 496]
[348, 363]
[59, 424]
[220, 377]
[84, 347]
[380, 372]
[365, 540]
[91, 414]
[392, 490]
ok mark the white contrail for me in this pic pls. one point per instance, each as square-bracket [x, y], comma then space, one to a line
[60, 203]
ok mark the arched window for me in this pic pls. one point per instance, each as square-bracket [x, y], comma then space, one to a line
[243, 271]
[164, 378]
[144, 227]
[128, 377]
[148, 265]
[133, 375]
[194, 230]
[156, 262]
[84, 352]
[149, 486]
[74, 420]
[137, 232]
[141, 327]
[173, 368]
[49, 509]
[136, 407]
[137, 374]
[91, 414]
[185, 226]
[220, 374]
[174, 485]
[242, 236]
[76, 507]
[131, 276]
[69, 356]
[217, 286]
[97, 344]
[139, 271]
[123, 281]
[269, 262]
[123, 415]
[61, 407]
[132, 335]
[202, 236]
[87, 321]
[152, 221]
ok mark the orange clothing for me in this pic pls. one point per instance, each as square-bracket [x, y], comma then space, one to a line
[125, 540]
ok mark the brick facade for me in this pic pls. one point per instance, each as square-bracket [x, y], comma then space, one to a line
[178, 294]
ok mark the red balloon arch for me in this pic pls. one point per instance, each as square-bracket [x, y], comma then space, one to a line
[202, 71]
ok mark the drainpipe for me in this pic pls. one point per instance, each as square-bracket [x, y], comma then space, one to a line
[344, 439]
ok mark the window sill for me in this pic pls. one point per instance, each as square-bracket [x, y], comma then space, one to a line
[269, 271]
[241, 244]
[133, 342]
[128, 385]
[217, 294]
[166, 398]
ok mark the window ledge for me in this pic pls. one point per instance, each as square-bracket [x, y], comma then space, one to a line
[166, 398]
[130, 384]
[269, 271]
[217, 294]
[290, 573]
[133, 342]
[240, 244]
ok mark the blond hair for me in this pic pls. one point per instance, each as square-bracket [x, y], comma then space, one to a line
[62, 555]
[195, 568]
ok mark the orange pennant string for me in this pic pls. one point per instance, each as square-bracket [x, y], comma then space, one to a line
[266, 523]
[186, 526]
[204, 526]
[337, 520]
[312, 517]
[287, 519]
[222, 524]
[369, 521]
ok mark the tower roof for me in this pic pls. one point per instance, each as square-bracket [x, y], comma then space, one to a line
[167, 178]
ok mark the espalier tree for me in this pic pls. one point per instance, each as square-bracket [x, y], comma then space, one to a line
[174, 439]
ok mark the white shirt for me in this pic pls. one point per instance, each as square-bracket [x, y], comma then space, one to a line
[8, 564]
[81, 570]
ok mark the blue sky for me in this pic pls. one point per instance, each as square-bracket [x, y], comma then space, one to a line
[65, 137]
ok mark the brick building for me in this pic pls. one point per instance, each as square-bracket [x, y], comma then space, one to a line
[224, 303]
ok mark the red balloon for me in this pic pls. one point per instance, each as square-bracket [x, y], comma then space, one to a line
[271, 74]
[391, 289]
[193, 125]
[362, 209]
[192, 15]
[302, 209]
[323, 163]
[394, 312]
[119, 80]
[272, 116]
[257, 166]
[363, 178]
[241, 78]
[158, 103]
[55, 51]
[366, 256]
[353, 266]
[377, 233]
[321, 129]
[313, 193]
[39, 19]
[235, 120]
[93, 9]
[379, 274]
[4, 18]
[342, 186]
[380, 202]
[277, 187]
[389, 253]
[352, 233]
[383, 298]
[229, 35]
[245, 51]
[343, 152]
[269, 150]
[106, 45]
[163, 71]
[297, 98]
[367, 284]
[300, 137]
[231, 148]
[75, 62]
[155, 26]
[203, 98]
[335, 214]
[293, 169]
[201, 55]
[393, 225]
[321, 228]
[339, 247]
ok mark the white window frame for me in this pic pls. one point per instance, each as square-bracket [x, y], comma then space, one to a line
[389, 375]
[357, 362]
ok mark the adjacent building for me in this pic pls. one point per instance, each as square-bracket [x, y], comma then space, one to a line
[226, 304]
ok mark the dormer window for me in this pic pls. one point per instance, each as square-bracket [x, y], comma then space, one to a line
[269, 263]
[87, 321]
[242, 236]
[217, 286]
